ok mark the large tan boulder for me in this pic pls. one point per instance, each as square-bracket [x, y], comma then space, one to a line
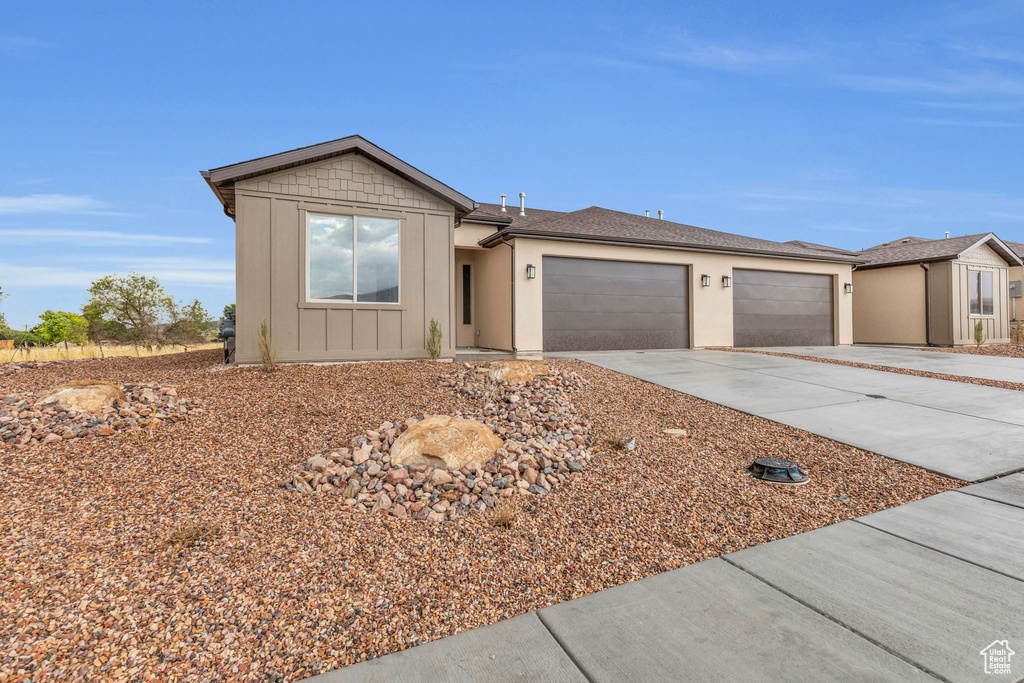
[449, 442]
[513, 371]
[89, 396]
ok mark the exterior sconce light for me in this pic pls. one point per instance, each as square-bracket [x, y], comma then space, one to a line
[848, 288]
[705, 280]
[726, 281]
[531, 271]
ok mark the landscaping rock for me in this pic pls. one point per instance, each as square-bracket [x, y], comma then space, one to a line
[527, 438]
[513, 371]
[444, 441]
[90, 396]
[86, 409]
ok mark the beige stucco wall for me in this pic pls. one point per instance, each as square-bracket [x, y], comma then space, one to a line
[1016, 305]
[270, 264]
[493, 282]
[711, 307]
[469, 234]
[997, 326]
[889, 306]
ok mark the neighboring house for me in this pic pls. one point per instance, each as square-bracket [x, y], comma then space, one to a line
[922, 291]
[1016, 276]
[348, 252]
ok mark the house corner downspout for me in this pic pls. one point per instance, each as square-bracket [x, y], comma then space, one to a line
[512, 286]
[927, 304]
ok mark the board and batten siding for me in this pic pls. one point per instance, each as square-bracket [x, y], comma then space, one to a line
[997, 326]
[271, 265]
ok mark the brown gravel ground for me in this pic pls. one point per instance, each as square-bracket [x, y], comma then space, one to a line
[1005, 350]
[289, 585]
[1000, 384]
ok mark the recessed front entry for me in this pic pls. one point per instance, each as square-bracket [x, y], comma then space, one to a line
[782, 309]
[592, 305]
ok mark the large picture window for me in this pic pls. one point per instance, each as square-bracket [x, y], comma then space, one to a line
[351, 259]
[979, 292]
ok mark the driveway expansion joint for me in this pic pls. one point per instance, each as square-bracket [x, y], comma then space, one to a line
[579, 665]
[833, 619]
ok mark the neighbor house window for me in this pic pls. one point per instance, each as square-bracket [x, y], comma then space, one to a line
[980, 292]
[351, 258]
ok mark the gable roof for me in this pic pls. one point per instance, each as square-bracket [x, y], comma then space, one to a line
[821, 247]
[1017, 247]
[604, 225]
[923, 250]
[492, 214]
[222, 179]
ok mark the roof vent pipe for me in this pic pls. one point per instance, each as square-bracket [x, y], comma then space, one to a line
[661, 214]
[647, 212]
[947, 234]
[522, 203]
[503, 209]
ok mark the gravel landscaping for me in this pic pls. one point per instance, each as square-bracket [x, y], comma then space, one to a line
[183, 558]
[1005, 350]
[999, 384]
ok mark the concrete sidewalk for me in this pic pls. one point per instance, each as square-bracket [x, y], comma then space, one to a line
[911, 593]
[963, 364]
[965, 431]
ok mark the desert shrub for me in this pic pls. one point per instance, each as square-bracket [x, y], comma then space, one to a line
[434, 337]
[619, 440]
[979, 333]
[268, 354]
[192, 533]
[503, 515]
[324, 405]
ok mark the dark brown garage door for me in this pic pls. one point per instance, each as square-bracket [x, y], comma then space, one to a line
[604, 305]
[781, 309]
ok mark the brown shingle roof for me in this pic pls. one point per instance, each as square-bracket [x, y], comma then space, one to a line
[922, 250]
[1017, 247]
[492, 213]
[616, 226]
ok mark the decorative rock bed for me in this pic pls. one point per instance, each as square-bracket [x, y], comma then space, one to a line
[544, 441]
[24, 422]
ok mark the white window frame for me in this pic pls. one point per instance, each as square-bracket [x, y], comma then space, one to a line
[355, 261]
[979, 273]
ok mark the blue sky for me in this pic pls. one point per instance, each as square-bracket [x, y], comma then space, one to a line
[842, 123]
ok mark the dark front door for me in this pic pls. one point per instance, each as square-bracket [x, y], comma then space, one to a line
[782, 309]
[592, 305]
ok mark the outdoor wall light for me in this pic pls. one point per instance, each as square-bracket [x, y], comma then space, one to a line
[531, 271]
[705, 280]
[726, 281]
[848, 288]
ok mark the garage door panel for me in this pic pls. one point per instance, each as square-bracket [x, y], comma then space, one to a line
[578, 322]
[613, 305]
[778, 307]
[594, 303]
[782, 309]
[606, 284]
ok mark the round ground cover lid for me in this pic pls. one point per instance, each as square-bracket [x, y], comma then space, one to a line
[777, 471]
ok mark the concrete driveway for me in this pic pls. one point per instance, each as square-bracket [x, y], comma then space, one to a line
[914, 593]
[964, 431]
[963, 364]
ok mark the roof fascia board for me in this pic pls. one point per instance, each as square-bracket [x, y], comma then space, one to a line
[1008, 255]
[353, 143]
[495, 239]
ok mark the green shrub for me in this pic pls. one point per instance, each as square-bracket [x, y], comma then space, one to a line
[979, 333]
[1017, 333]
[434, 337]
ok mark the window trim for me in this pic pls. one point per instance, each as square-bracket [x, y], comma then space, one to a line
[980, 273]
[354, 302]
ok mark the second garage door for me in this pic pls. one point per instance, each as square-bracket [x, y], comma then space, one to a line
[607, 305]
[782, 309]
